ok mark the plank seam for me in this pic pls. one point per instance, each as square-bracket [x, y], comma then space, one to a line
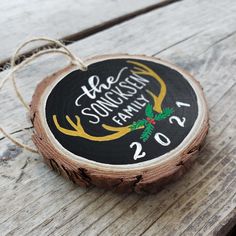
[92, 30]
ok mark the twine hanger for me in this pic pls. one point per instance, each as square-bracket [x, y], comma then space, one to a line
[13, 68]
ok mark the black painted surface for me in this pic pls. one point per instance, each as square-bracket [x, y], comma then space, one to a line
[61, 102]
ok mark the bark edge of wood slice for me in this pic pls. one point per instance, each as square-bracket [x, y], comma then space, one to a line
[143, 178]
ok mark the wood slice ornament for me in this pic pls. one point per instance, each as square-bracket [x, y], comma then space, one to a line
[127, 123]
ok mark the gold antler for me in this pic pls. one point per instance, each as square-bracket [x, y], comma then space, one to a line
[118, 131]
[79, 131]
[145, 70]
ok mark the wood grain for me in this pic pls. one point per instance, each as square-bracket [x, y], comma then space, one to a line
[69, 19]
[202, 202]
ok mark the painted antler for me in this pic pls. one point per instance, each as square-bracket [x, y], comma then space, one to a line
[145, 70]
[78, 130]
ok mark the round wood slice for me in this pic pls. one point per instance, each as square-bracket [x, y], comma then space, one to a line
[128, 123]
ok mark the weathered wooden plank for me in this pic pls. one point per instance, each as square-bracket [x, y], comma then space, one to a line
[207, 214]
[91, 215]
[228, 222]
[58, 197]
[61, 19]
[191, 207]
[210, 57]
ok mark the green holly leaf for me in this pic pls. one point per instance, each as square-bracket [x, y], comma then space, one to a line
[165, 113]
[138, 124]
[147, 132]
[149, 111]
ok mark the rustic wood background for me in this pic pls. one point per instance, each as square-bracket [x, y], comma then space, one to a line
[198, 35]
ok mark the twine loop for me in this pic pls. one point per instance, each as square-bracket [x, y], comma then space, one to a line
[62, 49]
